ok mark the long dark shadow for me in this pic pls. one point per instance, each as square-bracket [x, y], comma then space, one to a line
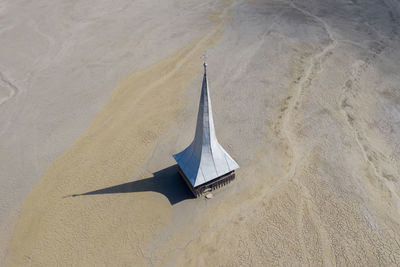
[166, 181]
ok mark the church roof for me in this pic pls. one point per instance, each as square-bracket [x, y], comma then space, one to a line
[205, 159]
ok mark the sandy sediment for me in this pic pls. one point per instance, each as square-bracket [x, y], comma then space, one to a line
[305, 99]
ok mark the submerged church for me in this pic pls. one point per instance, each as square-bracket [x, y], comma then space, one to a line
[204, 164]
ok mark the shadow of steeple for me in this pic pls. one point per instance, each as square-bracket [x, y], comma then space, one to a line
[166, 181]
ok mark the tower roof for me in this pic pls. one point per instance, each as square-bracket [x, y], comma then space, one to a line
[205, 159]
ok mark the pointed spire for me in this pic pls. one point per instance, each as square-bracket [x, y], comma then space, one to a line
[205, 159]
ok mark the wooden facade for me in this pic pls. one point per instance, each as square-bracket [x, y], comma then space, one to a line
[210, 185]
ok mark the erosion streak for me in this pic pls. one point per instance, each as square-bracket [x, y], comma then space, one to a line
[357, 136]
[300, 226]
[323, 235]
[304, 82]
[14, 89]
[356, 131]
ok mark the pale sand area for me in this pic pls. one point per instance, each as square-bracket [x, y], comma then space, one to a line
[306, 97]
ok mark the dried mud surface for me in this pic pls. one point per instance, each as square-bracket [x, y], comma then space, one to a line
[95, 97]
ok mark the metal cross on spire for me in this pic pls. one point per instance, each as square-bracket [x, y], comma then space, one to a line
[204, 57]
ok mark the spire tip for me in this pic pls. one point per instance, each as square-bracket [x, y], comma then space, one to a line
[204, 62]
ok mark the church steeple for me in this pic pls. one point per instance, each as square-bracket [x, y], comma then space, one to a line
[205, 159]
